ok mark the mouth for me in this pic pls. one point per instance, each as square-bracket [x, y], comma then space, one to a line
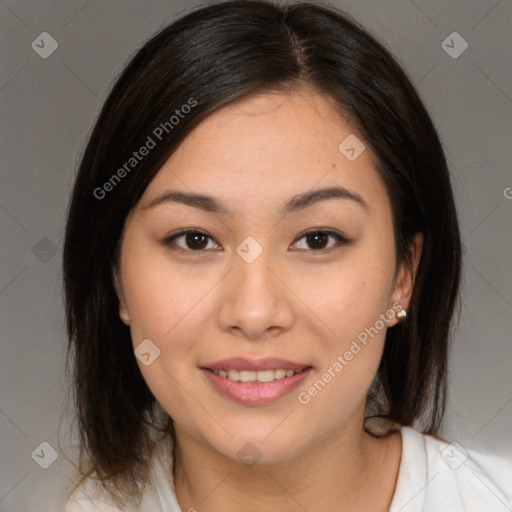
[255, 382]
[255, 376]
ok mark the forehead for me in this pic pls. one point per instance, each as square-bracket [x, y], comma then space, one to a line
[266, 148]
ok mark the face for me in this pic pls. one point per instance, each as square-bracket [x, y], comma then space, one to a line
[274, 275]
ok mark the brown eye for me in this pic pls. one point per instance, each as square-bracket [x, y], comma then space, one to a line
[192, 240]
[318, 240]
[195, 241]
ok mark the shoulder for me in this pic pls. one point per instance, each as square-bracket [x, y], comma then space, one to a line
[156, 496]
[474, 478]
[436, 474]
[90, 496]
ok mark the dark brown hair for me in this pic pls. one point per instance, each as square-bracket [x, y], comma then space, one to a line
[213, 56]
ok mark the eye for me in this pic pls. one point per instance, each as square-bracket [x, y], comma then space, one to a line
[318, 240]
[193, 240]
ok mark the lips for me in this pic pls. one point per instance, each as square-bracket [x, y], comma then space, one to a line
[255, 365]
[255, 382]
[253, 376]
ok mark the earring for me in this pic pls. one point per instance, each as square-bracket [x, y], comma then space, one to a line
[126, 318]
[402, 314]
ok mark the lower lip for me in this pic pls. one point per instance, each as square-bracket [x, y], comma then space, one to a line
[255, 393]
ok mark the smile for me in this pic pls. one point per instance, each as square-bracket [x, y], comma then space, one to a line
[255, 383]
[255, 376]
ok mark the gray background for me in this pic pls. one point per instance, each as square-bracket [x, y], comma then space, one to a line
[48, 107]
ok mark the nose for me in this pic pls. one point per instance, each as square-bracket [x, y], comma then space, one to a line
[255, 301]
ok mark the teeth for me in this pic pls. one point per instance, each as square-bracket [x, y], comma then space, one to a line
[265, 376]
[248, 376]
[233, 375]
[255, 376]
[279, 374]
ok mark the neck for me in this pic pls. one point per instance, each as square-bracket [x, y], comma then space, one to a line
[349, 470]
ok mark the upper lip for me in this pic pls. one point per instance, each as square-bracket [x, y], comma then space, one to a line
[269, 363]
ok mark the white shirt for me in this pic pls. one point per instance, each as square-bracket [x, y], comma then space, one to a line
[434, 476]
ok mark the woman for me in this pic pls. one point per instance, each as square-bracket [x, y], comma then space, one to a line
[262, 262]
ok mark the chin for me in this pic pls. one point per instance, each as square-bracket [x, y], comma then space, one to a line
[261, 450]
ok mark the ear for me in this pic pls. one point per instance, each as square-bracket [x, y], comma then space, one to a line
[118, 287]
[406, 274]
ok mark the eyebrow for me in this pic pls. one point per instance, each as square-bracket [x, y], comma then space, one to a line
[294, 204]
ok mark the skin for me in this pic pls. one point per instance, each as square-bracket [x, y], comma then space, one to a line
[293, 302]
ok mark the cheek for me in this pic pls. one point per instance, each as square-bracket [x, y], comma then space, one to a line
[348, 297]
[159, 296]
[164, 308]
[350, 305]
[167, 307]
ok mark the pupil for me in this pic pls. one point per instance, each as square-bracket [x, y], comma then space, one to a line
[316, 239]
[195, 239]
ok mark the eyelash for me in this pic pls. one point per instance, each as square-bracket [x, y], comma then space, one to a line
[168, 242]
